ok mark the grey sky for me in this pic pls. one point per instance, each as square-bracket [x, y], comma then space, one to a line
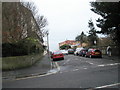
[66, 18]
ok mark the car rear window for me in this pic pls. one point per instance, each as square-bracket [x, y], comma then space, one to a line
[70, 50]
[57, 52]
[97, 50]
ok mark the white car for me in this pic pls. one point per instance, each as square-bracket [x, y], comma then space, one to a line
[65, 52]
[77, 51]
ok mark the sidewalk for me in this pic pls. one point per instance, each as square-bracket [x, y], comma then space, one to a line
[41, 67]
[116, 58]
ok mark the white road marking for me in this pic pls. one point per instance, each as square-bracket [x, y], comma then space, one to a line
[84, 68]
[105, 86]
[102, 65]
[58, 67]
[89, 62]
[75, 69]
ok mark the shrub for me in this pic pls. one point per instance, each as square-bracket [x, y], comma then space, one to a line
[24, 47]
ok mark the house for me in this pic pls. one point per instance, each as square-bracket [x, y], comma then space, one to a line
[69, 42]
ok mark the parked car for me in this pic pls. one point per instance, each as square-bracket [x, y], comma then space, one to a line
[83, 52]
[70, 51]
[93, 53]
[65, 52]
[57, 55]
[77, 51]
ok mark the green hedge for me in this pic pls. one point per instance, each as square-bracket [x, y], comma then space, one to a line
[12, 63]
[23, 47]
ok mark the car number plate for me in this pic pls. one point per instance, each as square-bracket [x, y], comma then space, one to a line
[97, 53]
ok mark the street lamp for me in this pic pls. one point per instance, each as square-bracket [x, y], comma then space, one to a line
[47, 33]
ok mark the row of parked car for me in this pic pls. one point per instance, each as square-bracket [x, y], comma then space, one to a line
[85, 52]
[91, 52]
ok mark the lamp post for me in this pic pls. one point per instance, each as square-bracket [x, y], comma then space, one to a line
[47, 33]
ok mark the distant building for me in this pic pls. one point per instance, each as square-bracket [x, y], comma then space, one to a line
[73, 43]
[69, 42]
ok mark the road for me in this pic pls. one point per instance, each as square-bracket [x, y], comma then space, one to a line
[73, 72]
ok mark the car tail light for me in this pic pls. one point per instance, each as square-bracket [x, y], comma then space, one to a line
[92, 52]
[54, 55]
[61, 54]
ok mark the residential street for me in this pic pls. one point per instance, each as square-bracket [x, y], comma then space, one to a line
[73, 72]
[60, 44]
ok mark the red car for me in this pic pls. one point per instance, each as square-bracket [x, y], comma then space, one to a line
[93, 53]
[57, 55]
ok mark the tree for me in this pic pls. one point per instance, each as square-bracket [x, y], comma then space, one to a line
[92, 37]
[42, 23]
[40, 20]
[31, 6]
[110, 21]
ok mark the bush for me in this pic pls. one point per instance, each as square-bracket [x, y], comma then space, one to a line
[23, 47]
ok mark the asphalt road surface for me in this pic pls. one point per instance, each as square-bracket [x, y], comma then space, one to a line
[73, 72]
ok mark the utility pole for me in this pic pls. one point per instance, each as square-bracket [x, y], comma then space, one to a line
[48, 45]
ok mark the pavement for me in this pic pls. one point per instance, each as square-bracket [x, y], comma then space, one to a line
[40, 68]
[116, 58]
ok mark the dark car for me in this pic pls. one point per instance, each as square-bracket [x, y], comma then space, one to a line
[93, 53]
[70, 51]
[57, 55]
[83, 52]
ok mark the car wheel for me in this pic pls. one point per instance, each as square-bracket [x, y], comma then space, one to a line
[90, 56]
[53, 59]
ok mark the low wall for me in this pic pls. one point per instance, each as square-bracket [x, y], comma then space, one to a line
[115, 50]
[17, 62]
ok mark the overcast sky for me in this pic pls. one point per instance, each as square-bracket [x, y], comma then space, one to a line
[66, 18]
